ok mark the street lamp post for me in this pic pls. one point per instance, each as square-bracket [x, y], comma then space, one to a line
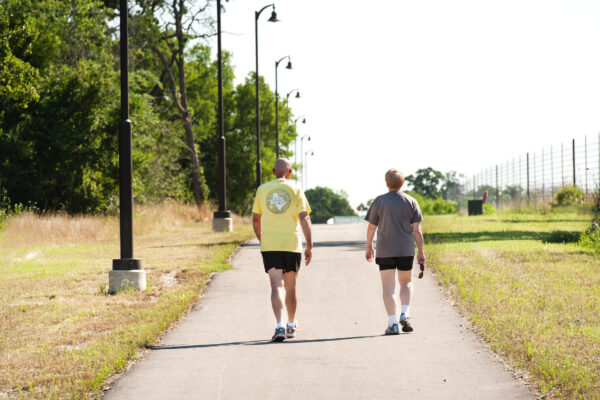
[296, 141]
[273, 18]
[289, 66]
[287, 96]
[301, 158]
[306, 154]
[127, 271]
[222, 221]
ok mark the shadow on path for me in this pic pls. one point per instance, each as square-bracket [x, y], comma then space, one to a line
[548, 237]
[255, 343]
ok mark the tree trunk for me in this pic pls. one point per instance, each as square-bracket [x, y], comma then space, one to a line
[196, 173]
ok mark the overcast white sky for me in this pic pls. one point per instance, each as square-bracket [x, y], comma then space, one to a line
[452, 84]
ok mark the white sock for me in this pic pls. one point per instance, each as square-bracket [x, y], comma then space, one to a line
[392, 320]
[291, 324]
[406, 310]
[279, 325]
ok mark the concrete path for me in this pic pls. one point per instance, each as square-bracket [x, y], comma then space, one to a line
[221, 350]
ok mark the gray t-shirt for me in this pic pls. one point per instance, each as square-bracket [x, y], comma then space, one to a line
[394, 213]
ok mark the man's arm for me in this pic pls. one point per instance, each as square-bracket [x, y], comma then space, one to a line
[418, 234]
[370, 254]
[306, 229]
[257, 225]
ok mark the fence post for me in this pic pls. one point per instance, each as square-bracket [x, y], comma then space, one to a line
[527, 179]
[574, 180]
[474, 187]
[562, 166]
[585, 164]
[497, 194]
[551, 173]
[534, 186]
[543, 180]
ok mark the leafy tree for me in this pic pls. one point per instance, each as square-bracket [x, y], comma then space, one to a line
[450, 186]
[240, 130]
[166, 28]
[325, 204]
[427, 182]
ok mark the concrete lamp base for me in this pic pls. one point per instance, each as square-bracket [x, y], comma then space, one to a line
[120, 280]
[222, 225]
[222, 221]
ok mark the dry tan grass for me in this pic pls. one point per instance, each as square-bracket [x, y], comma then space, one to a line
[28, 229]
[60, 335]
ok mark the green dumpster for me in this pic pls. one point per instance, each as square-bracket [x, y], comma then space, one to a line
[475, 207]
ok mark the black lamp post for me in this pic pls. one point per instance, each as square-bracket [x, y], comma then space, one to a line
[306, 154]
[296, 141]
[301, 156]
[273, 18]
[221, 218]
[289, 66]
[127, 271]
[287, 96]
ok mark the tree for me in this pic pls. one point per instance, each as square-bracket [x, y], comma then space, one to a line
[325, 204]
[427, 182]
[450, 186]
[166, 28]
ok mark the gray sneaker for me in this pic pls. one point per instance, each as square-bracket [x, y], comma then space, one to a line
[279, 335]
[392, 330]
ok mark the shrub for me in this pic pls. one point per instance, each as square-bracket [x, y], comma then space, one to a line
[436, 206]
[488, 209]
[591, 237]
[569, 195]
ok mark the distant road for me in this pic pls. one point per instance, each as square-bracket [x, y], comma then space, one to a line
[222, 349]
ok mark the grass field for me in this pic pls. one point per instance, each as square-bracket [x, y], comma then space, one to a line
[535, 299]
[61, 335]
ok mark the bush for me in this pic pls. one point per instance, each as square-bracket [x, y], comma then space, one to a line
[488, 210]
[591, 237]
[435, 207]
[568, 196]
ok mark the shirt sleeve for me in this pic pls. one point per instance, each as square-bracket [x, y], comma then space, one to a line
[373, 215]
[256, 208]
[417, 216]
[302, 205]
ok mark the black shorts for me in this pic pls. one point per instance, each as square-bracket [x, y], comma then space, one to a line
[401, 263]
[285, 260]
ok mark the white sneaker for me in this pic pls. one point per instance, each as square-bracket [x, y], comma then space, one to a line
[290, 331]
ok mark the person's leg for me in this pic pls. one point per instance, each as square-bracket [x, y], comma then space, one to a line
[276, 277]
[388, 285]
[291, 297]
[406, 289]
[406, 292]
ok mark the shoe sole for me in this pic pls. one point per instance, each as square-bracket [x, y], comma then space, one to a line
[278, 339]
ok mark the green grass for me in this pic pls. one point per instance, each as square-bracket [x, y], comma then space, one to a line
[61, 335]
[529, 290]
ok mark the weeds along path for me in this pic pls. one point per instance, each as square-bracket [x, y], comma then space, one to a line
[61, 335]
[532, 297]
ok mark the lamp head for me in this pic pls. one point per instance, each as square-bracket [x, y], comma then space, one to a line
[303, 120]
[273, 17]
[289, 65]
[297, 95]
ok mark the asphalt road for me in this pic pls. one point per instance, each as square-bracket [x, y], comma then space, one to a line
[222, 349]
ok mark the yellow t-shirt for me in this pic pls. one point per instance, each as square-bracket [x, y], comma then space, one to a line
[279, 202]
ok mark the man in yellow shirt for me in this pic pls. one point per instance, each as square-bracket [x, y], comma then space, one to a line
[280, 209]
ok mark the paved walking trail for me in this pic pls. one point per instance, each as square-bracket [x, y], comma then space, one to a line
[221, 350]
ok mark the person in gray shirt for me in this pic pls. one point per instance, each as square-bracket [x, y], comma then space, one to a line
[397, 219]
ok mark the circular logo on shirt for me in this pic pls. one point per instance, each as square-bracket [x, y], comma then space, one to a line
[278, 201]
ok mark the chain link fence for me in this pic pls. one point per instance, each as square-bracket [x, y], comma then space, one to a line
[532, 179]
